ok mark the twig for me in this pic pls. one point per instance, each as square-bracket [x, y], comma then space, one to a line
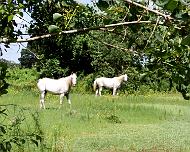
[30, 51]
[150, 10]
[22, 18]
[157, 21]
[5, 40]
[124, 35]
[114, 46]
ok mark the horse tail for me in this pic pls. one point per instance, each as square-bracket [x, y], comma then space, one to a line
[95, 85]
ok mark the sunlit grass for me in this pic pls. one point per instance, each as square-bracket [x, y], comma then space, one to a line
[158, 122]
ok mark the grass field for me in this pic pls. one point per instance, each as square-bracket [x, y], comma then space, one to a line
[157, 122]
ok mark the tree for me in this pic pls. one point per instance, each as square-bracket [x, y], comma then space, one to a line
[65, 53]
[166, 44]
[3, 83]
[27, 59]
[7, 11]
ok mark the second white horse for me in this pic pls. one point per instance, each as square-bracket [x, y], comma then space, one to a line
[112, 83]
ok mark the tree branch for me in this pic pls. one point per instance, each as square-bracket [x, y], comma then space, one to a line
[22, 18]
[150, 10]
[30, 51]
[157, 21]
[114, 46]
[5, 40]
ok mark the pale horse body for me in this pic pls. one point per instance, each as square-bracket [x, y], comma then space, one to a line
[60, 87]
[111, 83]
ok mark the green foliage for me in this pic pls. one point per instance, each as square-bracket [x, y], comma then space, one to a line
[171, 56]
[56, 16]
[13, 135]
[22, 79]
[7, 11]
[52, 69]
[27, 59]
[70, 52]
[84, 84]
[53, 29]
[3, 83]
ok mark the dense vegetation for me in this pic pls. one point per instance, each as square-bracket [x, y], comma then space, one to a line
[152, 51]
[134, 122]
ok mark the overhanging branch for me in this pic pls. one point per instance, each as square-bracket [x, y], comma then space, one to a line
[5, 40]
[150, 10]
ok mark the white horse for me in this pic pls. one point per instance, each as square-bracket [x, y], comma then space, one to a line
[112, 83]
[60, 87]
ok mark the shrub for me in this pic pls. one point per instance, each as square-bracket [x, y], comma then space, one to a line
[3, 83]
[12, 131]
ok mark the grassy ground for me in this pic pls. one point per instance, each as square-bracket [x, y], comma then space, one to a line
[158, 122]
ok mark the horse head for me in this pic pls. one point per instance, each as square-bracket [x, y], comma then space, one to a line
[73, 79]
[125, 78]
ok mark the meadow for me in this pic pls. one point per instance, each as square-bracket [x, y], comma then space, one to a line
[151, 122]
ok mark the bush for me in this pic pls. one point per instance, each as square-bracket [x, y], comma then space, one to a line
[84, 83]
[22, 79]
[15, 133]
[3, 83]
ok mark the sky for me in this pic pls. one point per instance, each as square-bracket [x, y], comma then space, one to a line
[13, 53]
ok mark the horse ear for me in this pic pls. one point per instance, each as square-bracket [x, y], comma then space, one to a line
[74, 72]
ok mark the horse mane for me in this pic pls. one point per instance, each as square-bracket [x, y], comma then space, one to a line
[120, 78]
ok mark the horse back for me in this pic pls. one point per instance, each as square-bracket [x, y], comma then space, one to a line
[106, 82]
[55, 86]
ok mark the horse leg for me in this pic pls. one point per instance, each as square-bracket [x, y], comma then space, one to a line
[100, 90]
[97, 91]
[61, 98]
[68, 98]
[114, 91]
[42, 98]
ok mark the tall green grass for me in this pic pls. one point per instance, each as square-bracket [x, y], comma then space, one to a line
[158, 122]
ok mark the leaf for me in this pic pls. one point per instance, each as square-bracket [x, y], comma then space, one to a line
[23, 141]
[53, 28]
[72, 25]
[142, 76]
[2, 111]
[38, 138]
[21, 14]
[56, 16]
[158, 37]
[2, 129]
[161, 4]
[21, 5]
[35, 142]
[8, 146]
[10, 17]
[186, 40]
[171, 5]
[2, 147]
[64, 4]
[102, 5]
